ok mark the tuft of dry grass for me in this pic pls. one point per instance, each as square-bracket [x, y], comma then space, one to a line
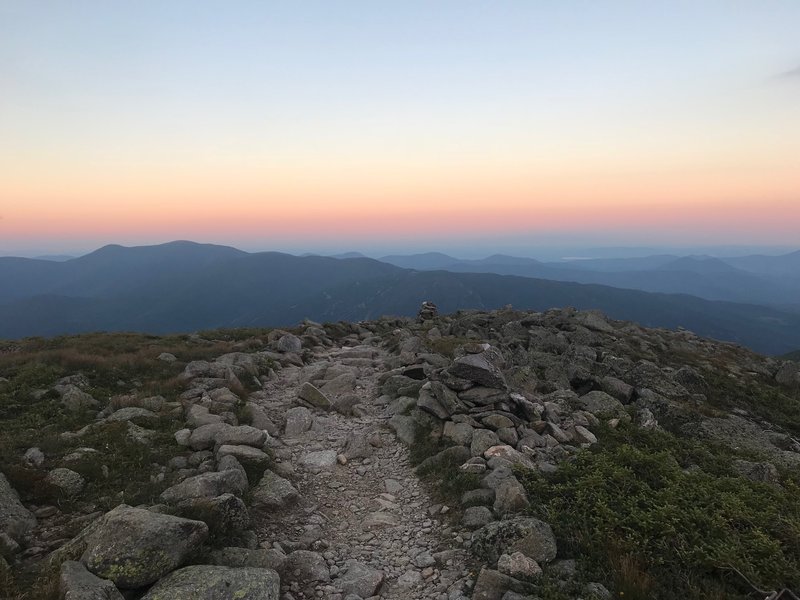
[631, 580]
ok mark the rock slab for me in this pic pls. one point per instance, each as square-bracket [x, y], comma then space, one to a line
[210, 582]
[134, 547]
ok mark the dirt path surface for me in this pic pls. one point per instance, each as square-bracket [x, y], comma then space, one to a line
[372, 509]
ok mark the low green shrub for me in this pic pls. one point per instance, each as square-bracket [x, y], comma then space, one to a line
[652, 528]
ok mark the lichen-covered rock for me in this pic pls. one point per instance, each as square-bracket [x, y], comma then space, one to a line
[519, 566]
[289, 343]
[761, 472]
[274, 492]
[298, 420]
[452, 456]
[134, 547]
[493, 585]
[244, 557]
[357, 446]
[404, 427]
[482, 440]
[15, 519]
[305, 566]
[75, 399]
[205, 436]
[211, 582]
[198, 415]
[617, 388]
[206, 485]
[67, 481]
[76, 583]
[138, 415]
[480, 368]
[458, 433]
[339, 386]
[476, 516]
[33, 457]
[321, 460]
[224, 514]
[515, 457]
[789, 374]
[246, 455]
[532, 537]
[429, 403]
[510, 497]
[360, 579]
[242, 435]
[601, 405]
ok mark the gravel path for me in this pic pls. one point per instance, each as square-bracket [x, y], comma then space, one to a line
[373, 509]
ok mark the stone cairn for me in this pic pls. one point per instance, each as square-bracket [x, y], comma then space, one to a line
[427, 311]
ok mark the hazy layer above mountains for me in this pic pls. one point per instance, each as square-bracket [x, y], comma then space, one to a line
[183, 286]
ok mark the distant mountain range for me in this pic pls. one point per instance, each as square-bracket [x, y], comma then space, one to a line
[184, 286]
[769, 280]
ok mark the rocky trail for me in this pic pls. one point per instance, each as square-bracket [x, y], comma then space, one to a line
[280, 468]
[361, 505]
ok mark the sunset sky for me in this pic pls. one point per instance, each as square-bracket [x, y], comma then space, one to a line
[413, 125]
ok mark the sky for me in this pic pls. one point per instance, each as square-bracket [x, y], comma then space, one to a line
[414, 125]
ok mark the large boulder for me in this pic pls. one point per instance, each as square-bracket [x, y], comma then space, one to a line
[320, 460]
[274, 492]
[66, 481]
[211, 582]
[482, 440]
[198, 415]
[140, 416]
[602, 405]
[449, 457]
[404, 427]
[224, 514]
[357, 446]
[246, 455]
[476, 517]
[493, 585]
[789, 375]
[510, 497]
[260, 420]
[646, 375]
[483, 396]
[298, 420]
[519, 566]
[76, 583]
[289, 343]
[339, 386]
[134, 547]
[244, 557]
[482, 368]
[242, 435]
[205, 436]
[515, 457]
[206, 485]
[359, 579]
[305, 567]
[429, 403]
[15, 519]
[75, 399]
[197, 368]
[458, 433]
[532, 537]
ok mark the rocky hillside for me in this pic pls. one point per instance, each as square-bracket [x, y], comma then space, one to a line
[498, 455]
